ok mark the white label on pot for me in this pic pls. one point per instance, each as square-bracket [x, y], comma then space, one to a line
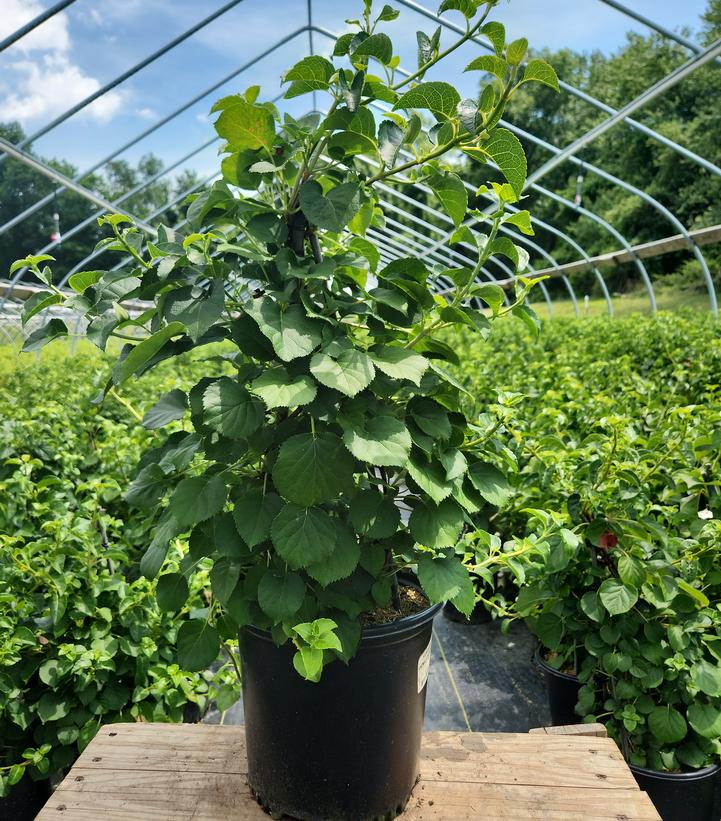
[424, 665]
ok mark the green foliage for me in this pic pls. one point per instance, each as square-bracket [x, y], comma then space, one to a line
[337, 404]
[616, 438]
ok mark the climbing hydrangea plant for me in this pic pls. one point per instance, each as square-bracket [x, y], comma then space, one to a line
[334, 404]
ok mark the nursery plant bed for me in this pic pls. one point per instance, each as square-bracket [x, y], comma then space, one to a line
[168, 772]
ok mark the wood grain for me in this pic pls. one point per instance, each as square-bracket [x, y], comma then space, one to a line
[176, 772]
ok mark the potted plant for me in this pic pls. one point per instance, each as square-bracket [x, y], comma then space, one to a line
[293, 472]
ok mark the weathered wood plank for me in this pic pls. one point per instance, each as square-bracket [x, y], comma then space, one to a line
[572, 729]
[157, 772]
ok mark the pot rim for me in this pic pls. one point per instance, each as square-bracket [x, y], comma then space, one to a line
[546, 667]
[663, 775]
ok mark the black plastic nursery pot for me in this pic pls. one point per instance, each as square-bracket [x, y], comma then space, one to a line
[562, 690]
[479, 614]
[346, 748]
[25, 800]
[681, 796]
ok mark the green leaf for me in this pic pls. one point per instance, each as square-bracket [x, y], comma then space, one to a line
[311, 469]
[246, 126]
[449, 189]
[522, 221]
[143, 352]
[591, 606]
[310, 74]
[617, 597]
[342, 561]
[516, 51]
[253, 513]
[388, 13]
[496, 33]
[439, 98]
[399, 363]
[698, 596]
[280, 595]
[230, 409]
[492, 295]
[506, 151]
[540, 72]
[197, 313]
[631, 571]
[172, 592]
[467, 8]
[431, 418]
[154, 556]
[443, 578]
[390, 139]
[378, 46]
[350, 372]
[198, 645]
[51, 330]
[197, 499]
[374, 515]
[279, 390]
[38, 302]
[705, 719]
[53, 706]
[367, 249]
[430, 478]
[303, 536]
[81, 281]
[436, 525]
[707, 678]
[291, 333]
[382, 440]
[667, 725]
[148, 487]
[308, 663]
[490, 483]
[169, 408]
[549, 629]
[332, 211]
[489, 63]
[224, 578]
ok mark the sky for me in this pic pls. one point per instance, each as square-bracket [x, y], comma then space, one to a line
[89, 44]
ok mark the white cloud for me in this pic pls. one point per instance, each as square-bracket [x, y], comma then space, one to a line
[44, 81]
[52, 34]
[45, 87]
[146, 113]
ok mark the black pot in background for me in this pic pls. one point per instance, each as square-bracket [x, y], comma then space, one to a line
[562, 692]
[346, 747]
[479, 614]
[681, 796]
[25, 799]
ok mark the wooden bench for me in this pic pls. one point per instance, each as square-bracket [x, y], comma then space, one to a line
[174, 772]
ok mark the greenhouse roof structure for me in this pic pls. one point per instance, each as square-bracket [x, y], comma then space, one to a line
[412, 226]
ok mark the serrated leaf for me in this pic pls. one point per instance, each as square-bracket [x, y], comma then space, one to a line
[148, 487]
[351, 372]
[378, 46]
[445, 579]
[154, 556]
[37, 303]
[430, 478]
[313, 468]
[490, 483]
[399, 363]
[506, 151]
[522, 221]
[436, 525]
[492, 295]
[342, 561]
[431, 418]
[496, 33]
[439, 98]
[279, 390]
[280, 595]
[631, 571]
[230, 409]
[390, 139]
[382, 440]
[374, 515]
[617, 597]
[667, 725]
[449, 189]
[141, 353]
[197, 499]
[53, 329]
[489, 63]
[540, 71]
[303, 536]
[516, 51]
[367, 249]
[169, 408]
[198, 645]
[308, 663]
[332, 211]
[198, 313]
[291, 333]
[253, 513]
[171, 592]
[467, 8]
[246, 126]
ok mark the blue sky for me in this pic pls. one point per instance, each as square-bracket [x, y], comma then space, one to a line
[89, 44]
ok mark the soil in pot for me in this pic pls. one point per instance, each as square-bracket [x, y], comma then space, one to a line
[25, 799]
[562, 689]
[681, 796]
[346, 748]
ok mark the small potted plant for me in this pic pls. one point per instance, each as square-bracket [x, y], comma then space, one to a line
[294, 471]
